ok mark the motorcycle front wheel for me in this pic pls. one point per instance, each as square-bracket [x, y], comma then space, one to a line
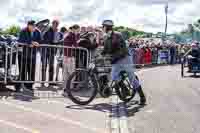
[81, 87]
[125, 92]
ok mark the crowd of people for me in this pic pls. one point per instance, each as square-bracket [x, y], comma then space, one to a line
[143, 52]
[32, 37]
[147, 52]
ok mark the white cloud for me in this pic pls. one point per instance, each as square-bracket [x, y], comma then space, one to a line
[145, 15]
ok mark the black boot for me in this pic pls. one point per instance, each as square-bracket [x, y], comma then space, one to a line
[17, 87]
[142, 96]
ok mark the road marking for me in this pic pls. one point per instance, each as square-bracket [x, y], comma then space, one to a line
[108, 120]
[14, 125]
[119, 122]
[123, 119]
[51, 116]
[114, 115]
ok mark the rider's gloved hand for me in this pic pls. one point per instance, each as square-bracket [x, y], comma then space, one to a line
[190, 57]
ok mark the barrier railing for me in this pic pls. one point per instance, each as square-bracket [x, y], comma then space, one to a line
[23, 63]
[4, 57]
[42, 64]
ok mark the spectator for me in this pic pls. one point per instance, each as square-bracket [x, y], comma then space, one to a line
[147, 55]
[31, 37]
[71, 41]
[63, 32]
[90, 29]
[88, 41]
[51, 37]
[83, 29]
[172, 54]
[141, 54]
[154, 55]
[194, 55]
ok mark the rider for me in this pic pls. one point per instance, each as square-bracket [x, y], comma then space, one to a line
[194, 55]
[115, 45]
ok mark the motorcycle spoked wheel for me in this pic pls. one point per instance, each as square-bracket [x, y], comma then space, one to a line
[125, 93]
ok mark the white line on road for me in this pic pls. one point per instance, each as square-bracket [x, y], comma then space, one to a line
[114, 115]
[51, 116]
[14, 125]
[108, 120]
[119, 122]
[123, 121]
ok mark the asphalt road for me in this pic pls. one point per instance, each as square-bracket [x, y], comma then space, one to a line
[51, 112]
[173, 103]
[173, 107]
[52, 115]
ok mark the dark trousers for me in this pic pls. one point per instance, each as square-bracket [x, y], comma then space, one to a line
[193, 62]
[27, 69]
[81, 62]
[172, 59]
[48, 60]
[81, 59]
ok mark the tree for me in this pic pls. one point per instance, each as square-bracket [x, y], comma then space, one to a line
[1, 31]
[13, 30]
[130, 32]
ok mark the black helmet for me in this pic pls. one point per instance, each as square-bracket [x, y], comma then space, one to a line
[108, 23]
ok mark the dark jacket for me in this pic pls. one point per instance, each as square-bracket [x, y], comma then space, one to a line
[195, 53]
[70, 40]
[26, 38]
[48, 38]
[85, 42]
[172, 50]
[115, 45]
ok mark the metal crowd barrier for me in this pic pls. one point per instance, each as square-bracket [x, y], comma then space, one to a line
[30, 64]
[4, 48]
[22, 63]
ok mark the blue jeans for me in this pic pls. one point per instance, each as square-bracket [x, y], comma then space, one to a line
[125, 64]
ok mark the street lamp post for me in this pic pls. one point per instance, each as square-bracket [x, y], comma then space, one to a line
[166, 19]
[191, 30]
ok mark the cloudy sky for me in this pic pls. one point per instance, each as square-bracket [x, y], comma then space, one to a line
[147, 15]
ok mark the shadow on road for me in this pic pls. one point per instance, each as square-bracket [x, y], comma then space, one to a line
[26, 95]
[5, 94]
[192, 76]
[103, 107]
[22, 96]
[25, 98]
[133, 107]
